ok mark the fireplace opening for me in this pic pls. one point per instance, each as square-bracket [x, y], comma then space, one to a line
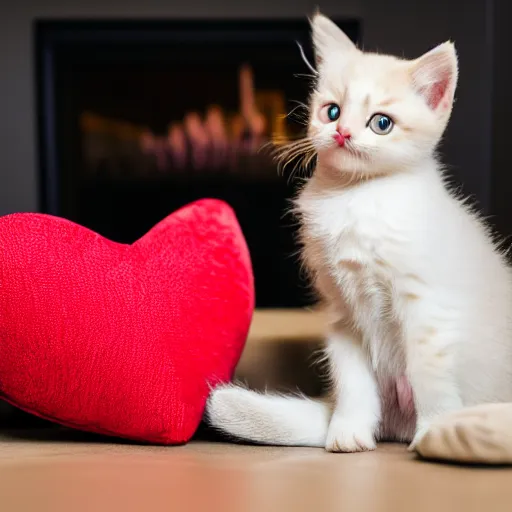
[137, 119]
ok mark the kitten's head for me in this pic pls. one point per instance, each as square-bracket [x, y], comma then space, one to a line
[372, 114]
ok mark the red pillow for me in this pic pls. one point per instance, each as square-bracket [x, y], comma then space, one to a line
[118, 339]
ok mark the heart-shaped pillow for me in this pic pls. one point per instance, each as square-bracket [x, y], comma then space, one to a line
[118, 339]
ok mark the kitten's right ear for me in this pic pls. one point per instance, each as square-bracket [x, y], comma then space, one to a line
[328, 38]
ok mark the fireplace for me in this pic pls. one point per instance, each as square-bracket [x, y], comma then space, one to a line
[136, 119]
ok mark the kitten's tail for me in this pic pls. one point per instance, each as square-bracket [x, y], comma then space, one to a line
[268, 419]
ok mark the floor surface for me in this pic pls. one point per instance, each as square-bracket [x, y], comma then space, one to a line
[69, 472]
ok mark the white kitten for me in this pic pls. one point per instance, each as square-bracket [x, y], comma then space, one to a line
[420, 295]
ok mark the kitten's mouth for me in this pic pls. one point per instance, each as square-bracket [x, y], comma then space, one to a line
[345, 143]
[348, 147]
[340, 139]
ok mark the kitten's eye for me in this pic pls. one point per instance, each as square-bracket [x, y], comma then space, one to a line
[381, 124]
[333, 112]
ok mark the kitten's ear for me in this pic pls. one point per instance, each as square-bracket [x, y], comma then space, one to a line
[328, 38]
[434, 76]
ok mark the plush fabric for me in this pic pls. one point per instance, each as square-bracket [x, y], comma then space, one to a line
[121, 339]
[481, 434]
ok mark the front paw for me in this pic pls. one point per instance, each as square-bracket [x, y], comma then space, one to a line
[348, 436]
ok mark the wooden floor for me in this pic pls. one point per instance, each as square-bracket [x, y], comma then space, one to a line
[73, 473]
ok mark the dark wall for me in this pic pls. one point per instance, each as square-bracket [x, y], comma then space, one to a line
[502, 112]
[409, 28]
[399, 26]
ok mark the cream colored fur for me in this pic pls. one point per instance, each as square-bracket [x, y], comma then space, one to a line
[415, 284]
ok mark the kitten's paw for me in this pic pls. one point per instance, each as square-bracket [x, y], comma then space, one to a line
[348, 436]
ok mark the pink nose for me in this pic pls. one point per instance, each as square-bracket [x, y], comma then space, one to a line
[341, 136]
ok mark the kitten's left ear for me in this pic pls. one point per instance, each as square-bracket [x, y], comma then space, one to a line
[434, 76]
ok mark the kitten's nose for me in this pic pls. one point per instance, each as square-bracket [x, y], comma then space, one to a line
[341, 136]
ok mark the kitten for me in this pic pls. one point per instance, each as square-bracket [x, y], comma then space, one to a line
[419, 293]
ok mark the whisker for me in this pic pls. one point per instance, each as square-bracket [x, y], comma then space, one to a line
[299, 153]
[305, 75]
[278, 142]
[294, 109]
[359, 151]
[300, 103]
[305, 59]
[302, 118]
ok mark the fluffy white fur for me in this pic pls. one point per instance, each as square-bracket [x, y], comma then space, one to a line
[418, 291]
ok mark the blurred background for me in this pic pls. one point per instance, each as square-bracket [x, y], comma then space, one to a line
[115, 113]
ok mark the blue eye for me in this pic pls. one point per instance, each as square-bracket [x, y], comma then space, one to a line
[381, 124]
[333, 112]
